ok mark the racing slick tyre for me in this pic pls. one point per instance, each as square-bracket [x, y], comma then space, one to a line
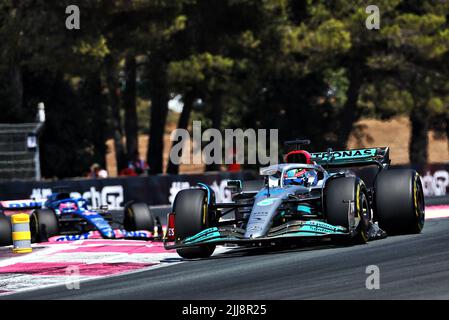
[399, 201]
[43, 225]
[340, 194]
[5, 230]
[192, 216]
[138, 217]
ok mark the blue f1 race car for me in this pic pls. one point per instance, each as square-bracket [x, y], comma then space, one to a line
[61, 217]
[348, 196]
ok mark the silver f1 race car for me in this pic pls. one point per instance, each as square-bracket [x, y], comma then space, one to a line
[349, 196]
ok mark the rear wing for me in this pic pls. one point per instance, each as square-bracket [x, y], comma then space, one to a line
[354, 157]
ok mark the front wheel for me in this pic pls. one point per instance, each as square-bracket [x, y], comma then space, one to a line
[192, 216]
[43, 225]
[5, 230]
[196, 252]
[346, 204]
[138, 217]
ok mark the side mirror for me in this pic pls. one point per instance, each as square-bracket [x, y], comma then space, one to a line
[234, 185]
[269, 171]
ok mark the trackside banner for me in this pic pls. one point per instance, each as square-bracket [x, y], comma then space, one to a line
[162, 189]
[115, 192]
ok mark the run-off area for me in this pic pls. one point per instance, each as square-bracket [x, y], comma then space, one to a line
[72, 263]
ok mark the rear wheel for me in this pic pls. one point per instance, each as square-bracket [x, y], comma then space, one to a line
[399, 200]
[5, 230]
[138, 217]
[43, 225]
[341, 196]
[192, 216]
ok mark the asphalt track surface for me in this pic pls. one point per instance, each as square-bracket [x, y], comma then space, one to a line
[411, 267]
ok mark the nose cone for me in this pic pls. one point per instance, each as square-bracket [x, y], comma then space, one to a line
[261, 217]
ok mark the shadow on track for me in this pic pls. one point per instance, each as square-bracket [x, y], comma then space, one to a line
[284, 248]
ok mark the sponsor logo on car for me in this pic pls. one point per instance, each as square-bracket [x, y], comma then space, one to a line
[20, 204]
[254, 228]
[361, 153]
[260, 213]
[266, 202]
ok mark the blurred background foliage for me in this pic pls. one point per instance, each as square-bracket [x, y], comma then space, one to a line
[309, 68]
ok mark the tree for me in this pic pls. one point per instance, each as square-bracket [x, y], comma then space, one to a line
[159, 49]
[129, 103]
[420, 41]
[202, 75]
[218, 69]
[58, 67]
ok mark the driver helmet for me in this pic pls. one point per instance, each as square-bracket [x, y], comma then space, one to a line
[67, 206]
[301, 177]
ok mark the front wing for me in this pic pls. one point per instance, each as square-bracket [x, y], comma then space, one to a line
[233, 235]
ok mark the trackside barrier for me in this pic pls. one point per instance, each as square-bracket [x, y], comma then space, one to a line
[116, 192]
[21, 235]
[160, 190]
